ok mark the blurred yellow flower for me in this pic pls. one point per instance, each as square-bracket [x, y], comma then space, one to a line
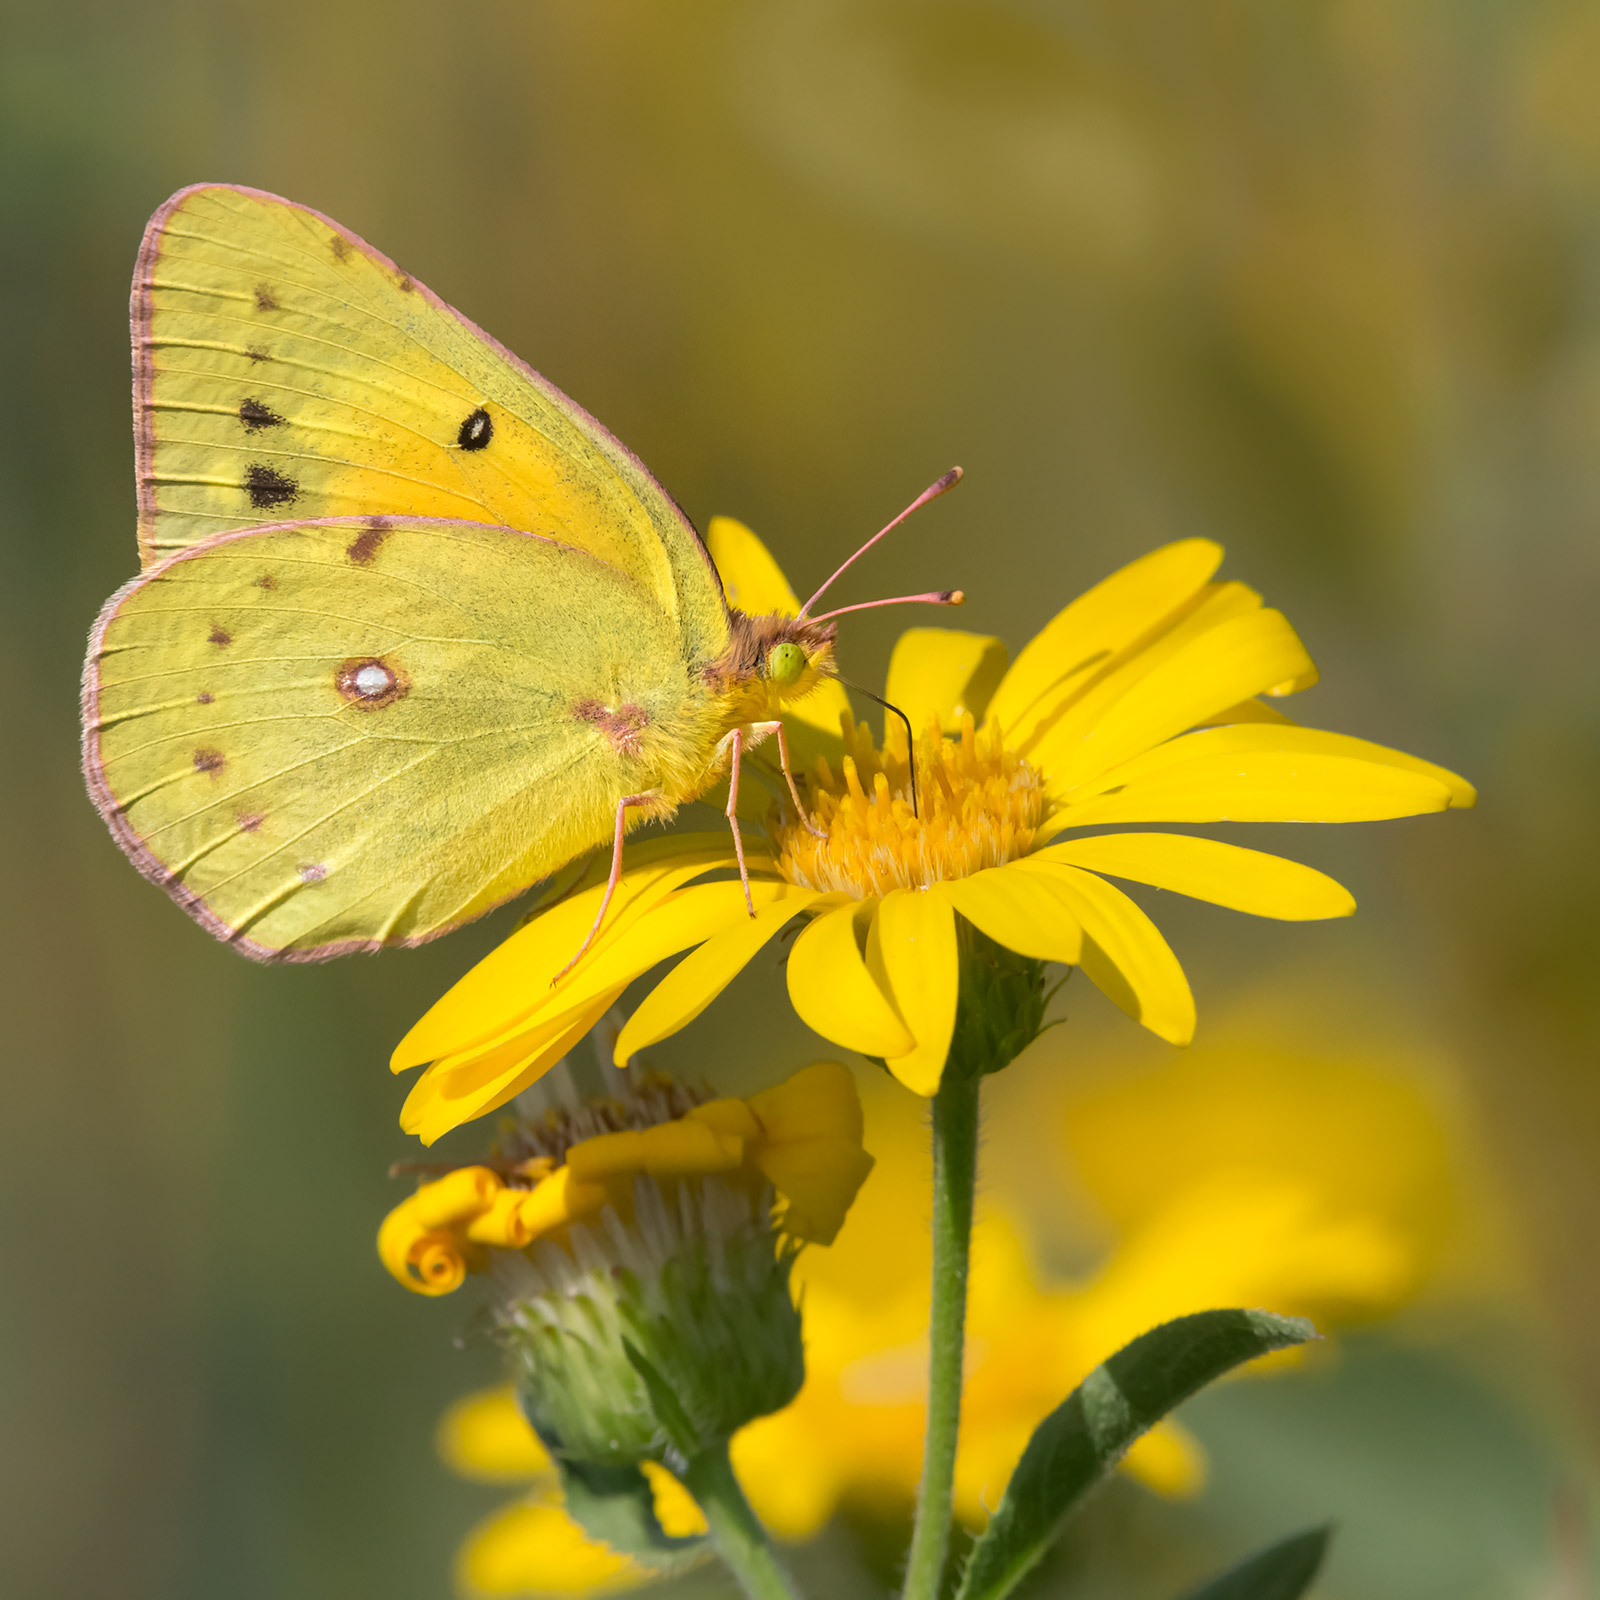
[1136, 704]
[534, 1547]
[1321, 1187]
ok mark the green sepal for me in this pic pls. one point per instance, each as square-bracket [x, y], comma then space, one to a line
[1084, 1437]
[1282, 1571]
[617, 1506]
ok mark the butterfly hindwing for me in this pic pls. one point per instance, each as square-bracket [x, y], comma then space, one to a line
[283, 368]
[335, 735]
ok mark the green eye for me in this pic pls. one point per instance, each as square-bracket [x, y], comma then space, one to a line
[786, 663]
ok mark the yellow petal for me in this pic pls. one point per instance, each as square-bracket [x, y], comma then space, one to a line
[484, 1436]
[516, 976]
[535, 1550]
[679, 1516]
[1022, 911]
[445, 1097]
[943, 673]
[699, 978]
[1201, 784]
[457, 1197]
[1226, 875]
[834, 994]
[811, 1149]
[1168, 1460]
[1097, 624]
[1124, 954]
[751, 579]
[1234, 661]
[911, 950]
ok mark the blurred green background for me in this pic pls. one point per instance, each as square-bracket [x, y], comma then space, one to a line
[1321, 280]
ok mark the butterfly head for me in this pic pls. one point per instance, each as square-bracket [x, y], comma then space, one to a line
[773, 661]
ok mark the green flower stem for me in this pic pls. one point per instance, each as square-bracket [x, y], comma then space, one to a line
[738, 1537]
[955, 1169]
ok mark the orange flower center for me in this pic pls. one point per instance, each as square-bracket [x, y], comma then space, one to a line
[977, 806]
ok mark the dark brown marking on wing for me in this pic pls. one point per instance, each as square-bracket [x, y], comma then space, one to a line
[219, 635]
[268, 487]
[203, 698]
[255, 416]
[364, 546]
[249, 821]
[340, 246]
[266, 581]
[212, 761]
[621, 726]
[266, 298]
[256, 353]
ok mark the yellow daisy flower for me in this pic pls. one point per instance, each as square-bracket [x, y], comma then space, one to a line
[1326, 1186]
[1138, 704]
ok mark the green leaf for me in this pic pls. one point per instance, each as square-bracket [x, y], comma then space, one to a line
[1083, 1438]
[617, 1506]
[1280, 1572]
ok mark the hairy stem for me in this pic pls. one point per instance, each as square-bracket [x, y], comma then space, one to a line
[955, 1166]
[738, 1537]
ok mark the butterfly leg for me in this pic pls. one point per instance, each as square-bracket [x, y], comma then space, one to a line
[762, 729]
[616, 877]
[736, 744]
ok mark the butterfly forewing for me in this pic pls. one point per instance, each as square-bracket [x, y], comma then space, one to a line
[329, 736]
[284, 369]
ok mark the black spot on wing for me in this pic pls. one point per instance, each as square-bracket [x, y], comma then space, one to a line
[266, 298]
[268, 488]
[255, 415]
[476, 431]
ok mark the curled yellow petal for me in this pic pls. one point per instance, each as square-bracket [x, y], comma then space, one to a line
[1023, 912]
[427, 1261]
[1225, 874]
[504, 1224]
[832, 990]
[455, 1197]
[912, 947]
[559, 1200]
[1124, 954]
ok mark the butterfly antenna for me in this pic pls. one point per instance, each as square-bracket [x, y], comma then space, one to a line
[911, 745]
[934, 597]
[932, 492]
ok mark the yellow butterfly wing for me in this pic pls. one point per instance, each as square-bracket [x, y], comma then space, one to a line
[331, 736]
[283, 368]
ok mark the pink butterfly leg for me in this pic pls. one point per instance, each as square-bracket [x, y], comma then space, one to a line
[616, 875]
[788, 777]
[736, 743]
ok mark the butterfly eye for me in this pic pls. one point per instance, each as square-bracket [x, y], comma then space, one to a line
[786, 663]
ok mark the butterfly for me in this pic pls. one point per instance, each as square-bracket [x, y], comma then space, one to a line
[413, 631]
